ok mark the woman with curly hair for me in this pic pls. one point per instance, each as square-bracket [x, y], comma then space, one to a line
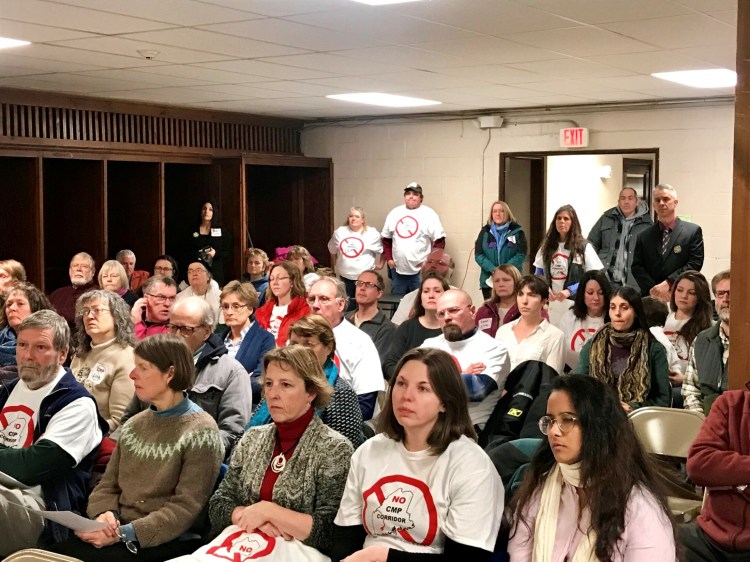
[625, 355]
[104, 352]
[590, 493]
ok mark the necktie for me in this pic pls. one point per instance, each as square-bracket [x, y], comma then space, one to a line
[664, 240]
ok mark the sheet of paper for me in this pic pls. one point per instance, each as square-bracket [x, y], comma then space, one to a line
[72, 520]
[11, 483]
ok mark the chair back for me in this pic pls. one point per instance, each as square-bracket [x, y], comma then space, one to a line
[666, 431]
[36, 555]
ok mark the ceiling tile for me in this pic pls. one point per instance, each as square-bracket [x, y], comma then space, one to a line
[37, 33]
[80, 56]
[267, 69]
[72, 17]
[188, 38]
[358, 84]
[202, 73]
[598, 11]
[281, 8]
[724, 56]
[410, 57]
[335, 64]
[146, 78]
[727, 16]
[33, 65]
[711, 5]
[580, 41]
[495, 73]
[570, 68]
[650, 62]
[422, 79]
[694, 30]
[490, 50]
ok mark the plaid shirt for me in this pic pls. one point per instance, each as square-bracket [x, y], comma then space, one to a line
[691, 392]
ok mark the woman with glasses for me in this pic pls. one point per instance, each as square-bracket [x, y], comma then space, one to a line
[162, 471]
[590, 492]
[166, 265]
[625, 355]
[22, 300]
[103, 358]
[422, 489]
[342, 413]
[422, 324]
[243, 337]
[285, 301]
[354, 248]
[112, 277]
[199, 278]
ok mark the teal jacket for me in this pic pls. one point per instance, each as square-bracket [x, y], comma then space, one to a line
[660, 390]
[488, 257]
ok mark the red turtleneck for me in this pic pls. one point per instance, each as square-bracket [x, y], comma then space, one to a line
[289, 433]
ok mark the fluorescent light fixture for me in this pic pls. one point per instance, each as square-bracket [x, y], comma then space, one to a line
[710, 78]
[385, 100]
[384, 2]
[6, 43]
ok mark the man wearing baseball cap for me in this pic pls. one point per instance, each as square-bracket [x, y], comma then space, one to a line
[410, 233]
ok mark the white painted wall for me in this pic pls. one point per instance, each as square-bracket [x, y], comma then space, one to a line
[373, 163]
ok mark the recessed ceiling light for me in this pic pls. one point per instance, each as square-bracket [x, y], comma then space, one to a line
[384, 2]
[710, 78]
[385, 100]
[6, 43]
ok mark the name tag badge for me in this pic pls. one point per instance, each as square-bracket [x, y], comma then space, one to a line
[484, 323]
[98, 374]
[677, 249]
[512, 239]
[215, 232]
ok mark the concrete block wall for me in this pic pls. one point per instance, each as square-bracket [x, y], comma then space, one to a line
[457, 164]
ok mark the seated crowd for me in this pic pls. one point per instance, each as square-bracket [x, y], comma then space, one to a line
[285, 414]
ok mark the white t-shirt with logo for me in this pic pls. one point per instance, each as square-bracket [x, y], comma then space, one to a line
[355, 252]
[74, 428]
[671, 327]
[413, 232]
[412, 501]
[277, 315]
[558, 266]
[358, 359]
[577, 332]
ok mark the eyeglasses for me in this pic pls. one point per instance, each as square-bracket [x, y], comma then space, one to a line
[185, 331]
[564, 422]
[196, 270]
[234, 306]
[722, 294]
[453, 311]
[272, 279]
[368, 285]
[161, 299]
[166, 269]
[96, 311]
[322, 299]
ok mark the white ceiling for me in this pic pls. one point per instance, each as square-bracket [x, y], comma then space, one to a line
[282, 57]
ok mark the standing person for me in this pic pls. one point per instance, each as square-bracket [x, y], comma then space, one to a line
[136, 278]
[531, 337]
[422, 325]
[614, 235]
[590, 492]
[113, 277]
[423, 488]
[286, 478]
[368, 317]
[691, 313]
[565, 255]
[589, 313]
[162, 471]
[626, 356]
[256, 272]
[409, 234]
[492, 314]
[706, 374]
[501, 241]
[354, 248]
[286, 302]
[199, 276]
[210, 242]
[666, 249]
[104, 352]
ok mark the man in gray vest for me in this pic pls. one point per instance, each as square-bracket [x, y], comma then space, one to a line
[706, 372]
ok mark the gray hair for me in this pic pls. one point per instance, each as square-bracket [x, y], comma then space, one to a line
[115, 265]
[122, 254]
[668, 188]
[199, 303]
[86, 256]
[48, 320]
[154, 279]
[120, 312]
[337, 283]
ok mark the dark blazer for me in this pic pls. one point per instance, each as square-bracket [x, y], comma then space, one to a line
[684, 252]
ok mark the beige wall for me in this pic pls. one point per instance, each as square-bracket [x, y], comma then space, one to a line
[373, 163]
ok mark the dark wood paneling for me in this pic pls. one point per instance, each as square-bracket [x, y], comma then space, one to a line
[133, 210]
[74, 215]
[230, 195]
[20, 212]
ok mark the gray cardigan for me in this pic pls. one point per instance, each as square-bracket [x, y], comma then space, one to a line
[312, 483]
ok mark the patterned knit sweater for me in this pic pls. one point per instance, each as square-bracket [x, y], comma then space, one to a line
[312, 483]
[161, 474]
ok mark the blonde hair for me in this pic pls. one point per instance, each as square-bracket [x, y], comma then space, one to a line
[304, 254]
[14, 268]
[359, 210]
[508, 213]
[305, 365]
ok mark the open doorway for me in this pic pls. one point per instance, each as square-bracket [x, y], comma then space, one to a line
[536, 184]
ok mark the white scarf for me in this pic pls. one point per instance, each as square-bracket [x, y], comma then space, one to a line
[546, 518]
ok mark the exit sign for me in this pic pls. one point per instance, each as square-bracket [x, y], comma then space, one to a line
[577, 137]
